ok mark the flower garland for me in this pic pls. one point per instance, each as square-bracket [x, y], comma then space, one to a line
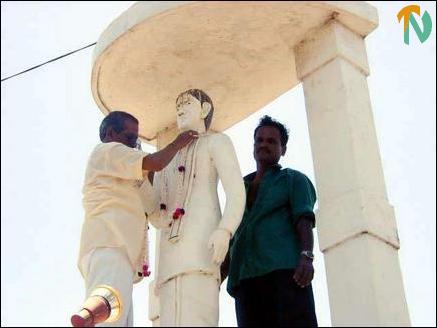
[181, 171]
[145, 247]
[145, 254]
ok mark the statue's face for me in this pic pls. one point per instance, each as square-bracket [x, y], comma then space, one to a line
[189, 113]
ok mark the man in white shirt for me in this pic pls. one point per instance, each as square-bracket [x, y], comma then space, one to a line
[114, 232]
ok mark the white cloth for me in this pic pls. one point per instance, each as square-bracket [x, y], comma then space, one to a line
[190, 300]
[111, 266]
[114, 214]
[148, 197]
[215, 159]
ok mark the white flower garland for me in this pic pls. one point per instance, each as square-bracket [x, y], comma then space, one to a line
[173, 206]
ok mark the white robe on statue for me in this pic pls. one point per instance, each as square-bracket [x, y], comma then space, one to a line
[188, 282]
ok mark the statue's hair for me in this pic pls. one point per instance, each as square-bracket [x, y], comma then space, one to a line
[202, 97]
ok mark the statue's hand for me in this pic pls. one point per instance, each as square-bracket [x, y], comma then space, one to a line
[219, 243]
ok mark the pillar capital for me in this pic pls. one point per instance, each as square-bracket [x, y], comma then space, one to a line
[331, 41]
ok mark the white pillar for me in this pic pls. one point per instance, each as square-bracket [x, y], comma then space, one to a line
[355, 222]
[164, 138]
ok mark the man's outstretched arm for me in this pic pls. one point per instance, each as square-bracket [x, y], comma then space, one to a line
[157, 161]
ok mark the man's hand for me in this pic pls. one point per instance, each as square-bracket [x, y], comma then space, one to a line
[157, 161]
[185, 138]
[219, 242]
[304, 272]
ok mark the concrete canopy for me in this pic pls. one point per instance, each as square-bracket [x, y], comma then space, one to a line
[240, 53]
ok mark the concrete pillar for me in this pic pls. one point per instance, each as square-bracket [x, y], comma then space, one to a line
[355, 222]
[163, 139]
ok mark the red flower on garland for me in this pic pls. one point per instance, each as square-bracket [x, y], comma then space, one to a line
[177, 214]
[181, 168]
[146, 271]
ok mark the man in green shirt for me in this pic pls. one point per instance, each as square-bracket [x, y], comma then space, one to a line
[270, 259]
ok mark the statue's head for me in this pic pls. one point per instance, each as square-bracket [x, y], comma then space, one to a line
[194, 110]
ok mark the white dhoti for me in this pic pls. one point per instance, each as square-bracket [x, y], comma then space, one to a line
[189, 300]
[111, 266]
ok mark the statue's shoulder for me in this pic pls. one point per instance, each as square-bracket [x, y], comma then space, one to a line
[218, 139]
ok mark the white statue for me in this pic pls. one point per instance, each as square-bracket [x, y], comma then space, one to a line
[195, 235]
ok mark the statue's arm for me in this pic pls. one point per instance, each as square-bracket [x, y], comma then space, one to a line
[225, 160]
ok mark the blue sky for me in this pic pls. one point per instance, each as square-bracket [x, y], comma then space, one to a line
[49, 125]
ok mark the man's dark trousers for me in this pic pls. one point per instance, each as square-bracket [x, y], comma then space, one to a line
[274, 299]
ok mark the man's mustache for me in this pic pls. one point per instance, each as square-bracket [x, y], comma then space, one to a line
[265, 149]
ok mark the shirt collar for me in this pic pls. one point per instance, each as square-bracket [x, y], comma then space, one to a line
[275, 167]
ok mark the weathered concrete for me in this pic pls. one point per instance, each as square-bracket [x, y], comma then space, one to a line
[356, 224]
[240, 53]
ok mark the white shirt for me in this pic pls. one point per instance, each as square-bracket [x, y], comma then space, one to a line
[114, 215]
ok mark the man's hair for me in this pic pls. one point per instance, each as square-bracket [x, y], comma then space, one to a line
[115, 120]
[268, 121]
[202, 97]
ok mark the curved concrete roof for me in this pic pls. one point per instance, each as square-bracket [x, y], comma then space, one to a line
[240, 53]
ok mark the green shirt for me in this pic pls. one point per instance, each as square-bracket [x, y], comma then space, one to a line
[266, 239]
